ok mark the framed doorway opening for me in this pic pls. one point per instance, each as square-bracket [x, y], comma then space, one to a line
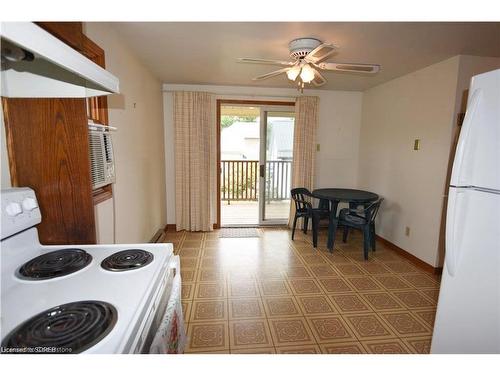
[255, 153]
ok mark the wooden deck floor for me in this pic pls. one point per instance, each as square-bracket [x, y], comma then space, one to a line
[247, 213]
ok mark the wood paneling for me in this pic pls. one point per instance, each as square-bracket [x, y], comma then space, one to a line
[48, 151]
[70, 33]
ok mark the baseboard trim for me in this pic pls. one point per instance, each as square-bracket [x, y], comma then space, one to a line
[412, 258]
[170, 228]
[158, 236]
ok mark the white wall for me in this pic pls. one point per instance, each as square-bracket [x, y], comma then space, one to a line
[420, 105]
[338, 132]
[138, 145]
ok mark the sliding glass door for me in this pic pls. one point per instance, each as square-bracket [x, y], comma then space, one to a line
[275, 164]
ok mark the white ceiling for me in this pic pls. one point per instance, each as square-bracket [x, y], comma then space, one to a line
[206, 53]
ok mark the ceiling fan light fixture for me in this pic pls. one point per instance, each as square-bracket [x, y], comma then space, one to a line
[307, 73]
[293, 73]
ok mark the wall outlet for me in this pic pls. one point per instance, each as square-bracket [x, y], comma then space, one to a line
[407, 231]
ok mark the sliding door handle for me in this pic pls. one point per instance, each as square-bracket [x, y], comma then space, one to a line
[262, 170]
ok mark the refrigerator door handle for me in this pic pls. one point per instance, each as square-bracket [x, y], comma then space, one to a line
[462, 147]
[454, 229]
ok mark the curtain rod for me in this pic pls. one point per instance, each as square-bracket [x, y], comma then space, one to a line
[246, 95]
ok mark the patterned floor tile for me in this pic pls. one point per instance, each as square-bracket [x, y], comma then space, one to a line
[187, 291]
[290, 331]
[191, 244]
[405, 325]
[210, 275]
[191, 253]
[382, 301]
[208, 310]
[249, 334]
[186, 309]
[210, 290]
[210, 263]
[297, 272]
[330, 328]
[392, 346]
[349, 303]
[269, 350]
[188, 275]
[349, 269]
[246, 308]
[323, 270]
[374, 268]
[335, 285]
[281, 307]
[305, 349]
[427, 316]
[314, 304]
[420, 280]
[351, 347]
[304, 286]
[274, 288]
[392, 282]
[313, 259]
[243, 289]
[297, 295]
[400, 267]
[368, 326]
[204, 337]
[413, 299]
[188, 262]
[363, 283]
[420, 345]
[432, 294]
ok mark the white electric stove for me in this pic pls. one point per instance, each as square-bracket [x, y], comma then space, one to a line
[77, 299]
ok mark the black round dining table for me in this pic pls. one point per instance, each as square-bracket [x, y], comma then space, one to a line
[336, 195]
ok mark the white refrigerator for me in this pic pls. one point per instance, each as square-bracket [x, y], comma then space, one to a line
[468, 311]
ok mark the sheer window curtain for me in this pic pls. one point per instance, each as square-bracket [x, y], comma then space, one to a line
[304, 145]
[195, 160]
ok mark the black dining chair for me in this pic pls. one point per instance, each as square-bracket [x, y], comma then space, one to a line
[304, 209]
[361, 219]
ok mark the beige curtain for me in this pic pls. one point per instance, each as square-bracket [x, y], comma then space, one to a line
[304, 144]
[195, 160]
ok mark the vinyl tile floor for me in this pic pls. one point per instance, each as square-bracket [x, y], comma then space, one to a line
[270, 294]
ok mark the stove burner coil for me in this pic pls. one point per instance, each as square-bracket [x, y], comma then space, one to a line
[69, 328]
[55, 264]
[127, 260]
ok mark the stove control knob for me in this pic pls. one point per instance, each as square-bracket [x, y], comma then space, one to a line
[29, 204]
[13, 209]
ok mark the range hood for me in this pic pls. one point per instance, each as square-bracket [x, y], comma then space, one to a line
[36, 64]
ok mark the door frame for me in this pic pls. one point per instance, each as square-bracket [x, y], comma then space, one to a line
[219, 104]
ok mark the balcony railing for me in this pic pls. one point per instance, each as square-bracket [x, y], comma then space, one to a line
[240, 180]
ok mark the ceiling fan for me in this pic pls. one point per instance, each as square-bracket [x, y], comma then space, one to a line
[309, 55]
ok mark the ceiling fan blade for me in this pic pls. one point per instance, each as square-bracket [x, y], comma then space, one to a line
[271, 74]
[354, 68]
[320, 53]
[265, 61]
[318, 80]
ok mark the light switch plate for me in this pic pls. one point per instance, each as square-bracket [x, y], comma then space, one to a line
[317, 147]
[416, 144]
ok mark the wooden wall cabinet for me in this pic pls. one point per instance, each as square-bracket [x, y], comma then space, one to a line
[47, 141]
[70, 33]
[48, 147]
